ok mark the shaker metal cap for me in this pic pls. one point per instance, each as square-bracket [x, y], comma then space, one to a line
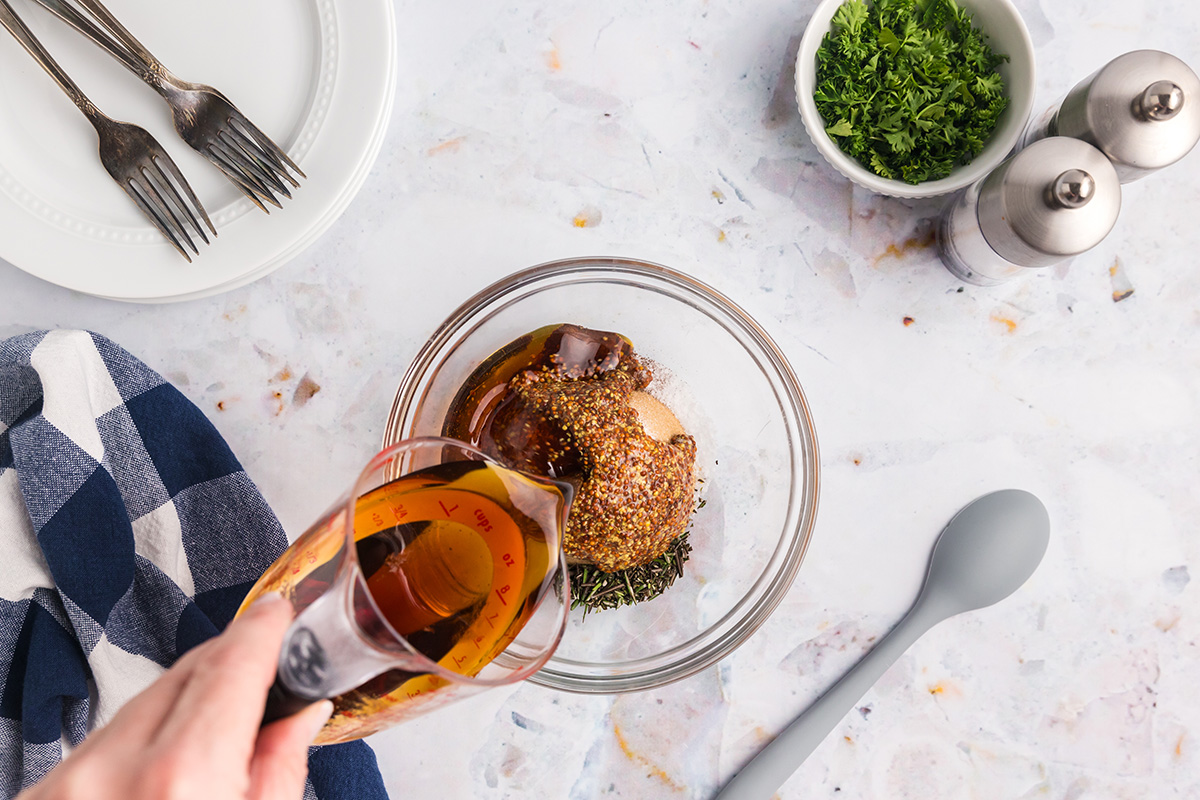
[1053, 200]
[1142, 109]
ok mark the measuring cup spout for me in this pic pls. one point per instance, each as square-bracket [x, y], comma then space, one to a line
[569, 487]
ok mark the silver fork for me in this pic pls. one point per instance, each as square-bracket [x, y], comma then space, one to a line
[132, 157]
[204, 117]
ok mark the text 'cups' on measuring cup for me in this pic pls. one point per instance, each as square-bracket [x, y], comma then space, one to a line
[439, 574]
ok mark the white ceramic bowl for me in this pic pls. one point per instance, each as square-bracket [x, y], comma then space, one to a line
[1006, 33]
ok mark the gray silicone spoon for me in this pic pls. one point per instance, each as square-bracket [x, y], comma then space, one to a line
[986, 552]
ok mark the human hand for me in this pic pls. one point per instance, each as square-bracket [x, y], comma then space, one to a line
[194, 733]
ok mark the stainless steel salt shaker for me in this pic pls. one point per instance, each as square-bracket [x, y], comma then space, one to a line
[1141, 109]
[1047, 203]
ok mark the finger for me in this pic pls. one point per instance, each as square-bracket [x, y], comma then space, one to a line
[137, 722]
[280, 762]
[220, 706]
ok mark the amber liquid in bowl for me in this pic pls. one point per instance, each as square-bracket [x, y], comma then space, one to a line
[454, 560]
[480, 413]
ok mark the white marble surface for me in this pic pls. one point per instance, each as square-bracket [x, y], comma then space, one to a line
[535, 130]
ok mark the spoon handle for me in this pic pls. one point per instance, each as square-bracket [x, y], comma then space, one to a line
[767, 771]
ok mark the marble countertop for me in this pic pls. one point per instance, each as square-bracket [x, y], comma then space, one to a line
[524, 132]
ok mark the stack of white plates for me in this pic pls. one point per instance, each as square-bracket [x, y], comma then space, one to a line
[318, 76]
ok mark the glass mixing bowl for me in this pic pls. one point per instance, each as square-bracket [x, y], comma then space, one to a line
[732, 389]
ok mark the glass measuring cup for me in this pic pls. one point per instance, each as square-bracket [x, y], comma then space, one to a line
[439, 574]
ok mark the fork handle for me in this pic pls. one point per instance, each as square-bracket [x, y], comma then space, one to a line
[70, 15]
[10, 20]
[114, 26]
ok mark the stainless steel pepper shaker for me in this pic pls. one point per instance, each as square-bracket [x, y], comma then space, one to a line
[1141, 109]
[1047, 203]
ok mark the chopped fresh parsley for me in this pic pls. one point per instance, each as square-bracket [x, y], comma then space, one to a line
[909, 88]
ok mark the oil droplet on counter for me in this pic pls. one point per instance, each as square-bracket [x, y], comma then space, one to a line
[946, 688]
[652, 769]
[588, 217]
[448, 146]
[1122, 288]
[921, 241]
[1009, 325]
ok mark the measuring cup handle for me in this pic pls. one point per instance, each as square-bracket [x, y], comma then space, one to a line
[282, 702]
[326, 653]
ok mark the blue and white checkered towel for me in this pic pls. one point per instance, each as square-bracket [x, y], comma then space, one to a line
[128, 534]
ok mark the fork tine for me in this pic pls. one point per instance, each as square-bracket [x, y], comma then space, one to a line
[269, 147]
[159, 195]
[249, 163]
[264, 158]
[239, 179]
[164, 161]
[132, 188]
[217, 151]
[168, 190]
[233, 166]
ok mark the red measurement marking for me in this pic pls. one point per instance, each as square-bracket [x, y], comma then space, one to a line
[508, 560]
[477, 642]
[503, 590]
[399, 512]
[483, 520]
[375, 518]
[446, 510]
[488, 620]
[458, 661]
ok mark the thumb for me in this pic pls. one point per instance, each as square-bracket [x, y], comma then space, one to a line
[280, 762]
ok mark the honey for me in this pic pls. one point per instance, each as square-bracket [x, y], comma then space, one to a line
[456, 558]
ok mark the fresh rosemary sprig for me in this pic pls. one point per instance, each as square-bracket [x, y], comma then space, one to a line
[595, 590]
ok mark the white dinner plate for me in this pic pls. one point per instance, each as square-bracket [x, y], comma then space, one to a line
[318, 76]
